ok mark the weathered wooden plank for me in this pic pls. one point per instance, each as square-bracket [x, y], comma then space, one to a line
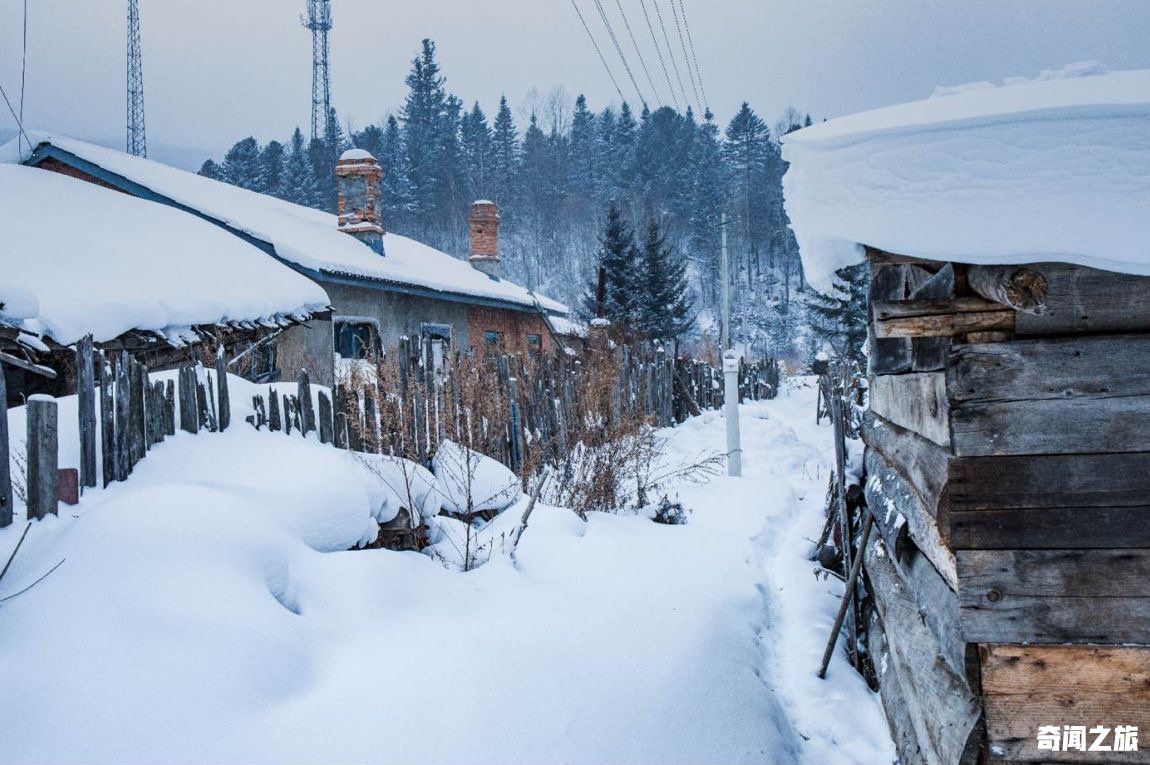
[170, 408]
[43, 457]
[888, 496]
[922, 464]
[1051, 426]
[932, 353]
[1025, 687]
[1051, 368]
[888, 355]
[1077, 528]
[189, 401]
[915, 401]
[303, 394]
[1049, 480]
[223, 398]
[1041, 596]
[943, 711]
[1082, 299]
[274, 421]
[107, 422]
[944, 317]
[5, 464]
[325, 419]
[123, 416]
[86, 401]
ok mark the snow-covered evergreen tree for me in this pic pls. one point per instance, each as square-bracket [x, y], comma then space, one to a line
[664, 310]
[618, 259]
[299, 180]
[840, 318]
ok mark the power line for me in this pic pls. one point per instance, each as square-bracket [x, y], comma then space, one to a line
[619, 50]
[691, 42]
[671, 52]
[686, 57]
[659, 52]
[19, 123]
[24, 64]
[639, 52]
[599, 52]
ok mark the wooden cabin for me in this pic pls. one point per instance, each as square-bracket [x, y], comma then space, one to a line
[78, 259]
[1007, 445]
[382, 287]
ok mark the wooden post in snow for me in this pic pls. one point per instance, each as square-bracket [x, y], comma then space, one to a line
[43, 457]
[189, 408]
[137, 379]
[123, 410]
[274, 423]
[307, 412]
[325, 421]
[516, 453]
[86, 395]
[170, 408]
[107, 421]
[223, 400]
[5, 466]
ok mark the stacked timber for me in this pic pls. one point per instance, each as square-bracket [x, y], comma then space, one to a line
[1008, 464]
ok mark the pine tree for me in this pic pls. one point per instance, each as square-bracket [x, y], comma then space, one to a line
[476, 148]
[299, 181]
[707, 204]
[272, 169]
[211, 170]
[394, 184]
[504, 157]
[618, 258]
[241, 165]
[664, 310]
[840, 318]
[581, 169]
[430, 123]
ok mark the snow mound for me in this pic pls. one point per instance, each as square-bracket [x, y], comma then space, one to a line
[461, 473]
[78, 258]
[1052, 168]
[353, 154]
[407, 486]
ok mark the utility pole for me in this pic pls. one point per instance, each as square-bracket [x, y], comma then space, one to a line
[725, 278]
[731, 412]
[137, 143]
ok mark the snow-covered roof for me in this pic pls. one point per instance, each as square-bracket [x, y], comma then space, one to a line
[1053, 168]
[299, 235]
[567, 327]
[78, 258]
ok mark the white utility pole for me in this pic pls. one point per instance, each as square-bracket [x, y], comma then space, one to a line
[725, 287]
[731, 412]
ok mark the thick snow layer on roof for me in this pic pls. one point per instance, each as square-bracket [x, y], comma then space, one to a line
[1051, 169]
[77, 258]
[356, 154]
[304, 236]
[567, 327]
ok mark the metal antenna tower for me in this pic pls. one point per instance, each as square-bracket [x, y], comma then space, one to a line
[137, 141]
[318, 20]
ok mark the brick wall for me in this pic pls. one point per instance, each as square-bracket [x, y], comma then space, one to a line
[56, 166]
[515, 326]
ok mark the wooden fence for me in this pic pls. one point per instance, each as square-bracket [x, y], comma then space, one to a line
[520, 407]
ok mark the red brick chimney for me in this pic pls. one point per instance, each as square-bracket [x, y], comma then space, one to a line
[357, 175]
[484, 220]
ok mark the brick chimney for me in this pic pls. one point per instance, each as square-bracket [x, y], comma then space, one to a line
[357, 175]
[484, 220]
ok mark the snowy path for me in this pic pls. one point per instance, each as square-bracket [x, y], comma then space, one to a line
[199, 620]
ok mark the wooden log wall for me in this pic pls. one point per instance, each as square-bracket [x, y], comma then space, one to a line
[1010, 480]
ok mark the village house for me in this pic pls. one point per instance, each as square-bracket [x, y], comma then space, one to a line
[382, 286]
[1007, 446]
[79, 259]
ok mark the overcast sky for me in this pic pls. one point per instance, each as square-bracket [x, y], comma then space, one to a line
[217, 70]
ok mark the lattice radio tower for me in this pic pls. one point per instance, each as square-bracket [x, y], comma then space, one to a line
[318, 20]
[137, 141]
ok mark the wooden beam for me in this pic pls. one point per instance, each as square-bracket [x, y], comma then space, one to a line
[1051, 426]
[1018, 287]
[1077, 528]
[1080, 299]
[923, 464]
[1054, 596]
[1051, 368]
[882, 257]
[1048, 481]
[1025, 687]
[946, 317]
[915, 401]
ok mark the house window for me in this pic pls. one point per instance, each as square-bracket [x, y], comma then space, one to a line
[263, 360]
[355, 339]
[437, 341]
[493, 340]
[534, 345]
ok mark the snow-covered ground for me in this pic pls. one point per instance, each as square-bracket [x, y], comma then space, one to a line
[208, 612]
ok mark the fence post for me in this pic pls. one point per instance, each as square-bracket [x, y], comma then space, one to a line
[274, 423]
[223, 399]
[5, 465]
[325, 424]
[189, 409]
[288, 415]
[86, 393]
[43, 457]
[107, 421]
[307, 412]
[731, 412]
[170, 408]
[513, 395]
[137, 375]
[123, 410]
